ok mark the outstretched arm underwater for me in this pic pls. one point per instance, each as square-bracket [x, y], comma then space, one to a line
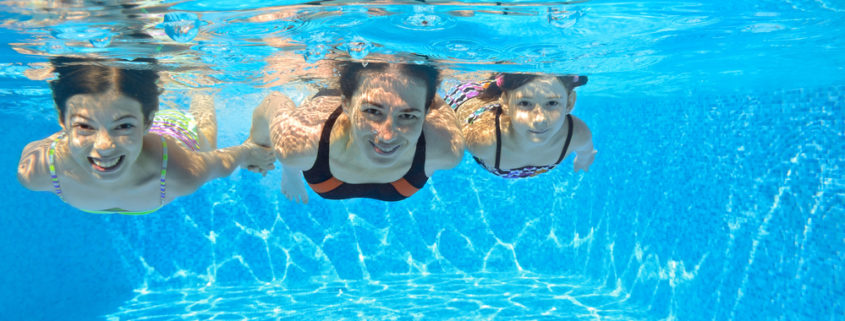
[276, 122]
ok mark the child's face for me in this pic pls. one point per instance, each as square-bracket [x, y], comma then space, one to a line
[387, 112]
[105, 133]
[537, 109]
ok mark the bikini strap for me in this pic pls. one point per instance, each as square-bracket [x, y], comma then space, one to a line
[498, 138]
[163, 169]
[52, 165]
[568, 138]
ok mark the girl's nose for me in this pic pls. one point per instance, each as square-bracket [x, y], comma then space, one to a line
[103, 141]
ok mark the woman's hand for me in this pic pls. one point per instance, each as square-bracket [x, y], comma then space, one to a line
[293, 187]
[259, 159]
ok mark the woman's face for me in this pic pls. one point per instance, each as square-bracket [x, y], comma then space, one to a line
[105, 133]
[387, 111]
[537, 109]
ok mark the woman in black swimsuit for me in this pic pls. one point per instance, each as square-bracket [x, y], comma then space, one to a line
[380, 137]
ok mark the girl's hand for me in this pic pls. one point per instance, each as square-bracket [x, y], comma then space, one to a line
[259, 159]
[583, 162]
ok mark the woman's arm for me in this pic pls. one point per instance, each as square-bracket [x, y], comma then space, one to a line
[295, 136]
[271, 105]
[444, 139]
[295, 132]
[480, 133]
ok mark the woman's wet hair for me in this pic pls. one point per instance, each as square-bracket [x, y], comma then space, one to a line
[502, 83]
[94, 76]
[350, 71]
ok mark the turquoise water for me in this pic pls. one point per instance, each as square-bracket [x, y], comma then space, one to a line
[716, 193]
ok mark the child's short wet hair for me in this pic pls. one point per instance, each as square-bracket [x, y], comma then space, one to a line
[505, 82]
[96, 76]
[349, 72]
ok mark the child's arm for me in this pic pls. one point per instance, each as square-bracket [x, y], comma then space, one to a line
[582, 145]
[33, 167]
[190, 170]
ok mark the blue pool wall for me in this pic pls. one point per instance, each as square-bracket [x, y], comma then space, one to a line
[706, 208]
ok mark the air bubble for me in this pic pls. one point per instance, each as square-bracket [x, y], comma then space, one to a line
[181, 26]
[56, 47]
[562, 18]
[101, 42]
[358, 48]
[315, 53]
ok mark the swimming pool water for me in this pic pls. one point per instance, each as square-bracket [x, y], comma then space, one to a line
[706, 202]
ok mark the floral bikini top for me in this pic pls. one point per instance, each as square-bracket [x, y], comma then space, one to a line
[464, 92]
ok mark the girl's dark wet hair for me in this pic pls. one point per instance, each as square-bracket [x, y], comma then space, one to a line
[510, 82]
[93, 76]
[350, 70]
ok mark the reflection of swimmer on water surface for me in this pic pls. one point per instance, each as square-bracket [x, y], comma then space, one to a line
[381, 136]
[116, 153]
[520, 125]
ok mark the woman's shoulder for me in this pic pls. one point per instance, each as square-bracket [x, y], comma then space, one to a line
[296, 132]
[478, 122]
[444, 139]
[312, 113]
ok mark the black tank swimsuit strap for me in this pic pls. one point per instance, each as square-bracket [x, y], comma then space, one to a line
[321, 180]
[499, 139]
[320, 172]
[568, 139]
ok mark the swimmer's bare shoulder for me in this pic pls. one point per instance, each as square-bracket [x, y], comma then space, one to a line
[33, 167]
[480, 135]
[444, 140]
[295, 132]
[582, 137]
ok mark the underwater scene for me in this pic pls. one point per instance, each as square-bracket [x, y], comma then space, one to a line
[422, 160]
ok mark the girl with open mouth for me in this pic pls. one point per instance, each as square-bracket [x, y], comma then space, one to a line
[116, 152]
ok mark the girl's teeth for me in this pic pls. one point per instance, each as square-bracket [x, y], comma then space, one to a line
[106, 164]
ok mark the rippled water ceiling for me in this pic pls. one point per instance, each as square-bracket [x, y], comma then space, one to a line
[660, 47]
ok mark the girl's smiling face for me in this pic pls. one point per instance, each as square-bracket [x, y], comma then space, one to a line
[537, 109]
[105, 133]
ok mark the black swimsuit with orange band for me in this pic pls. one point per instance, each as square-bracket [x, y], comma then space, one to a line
[321, 180]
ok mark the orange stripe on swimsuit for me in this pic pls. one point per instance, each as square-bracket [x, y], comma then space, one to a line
[321, 180]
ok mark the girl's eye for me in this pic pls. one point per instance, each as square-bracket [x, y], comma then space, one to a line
[523, 103]
[552, 103]
[82, 126]
[125, 126]
[407, 116]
